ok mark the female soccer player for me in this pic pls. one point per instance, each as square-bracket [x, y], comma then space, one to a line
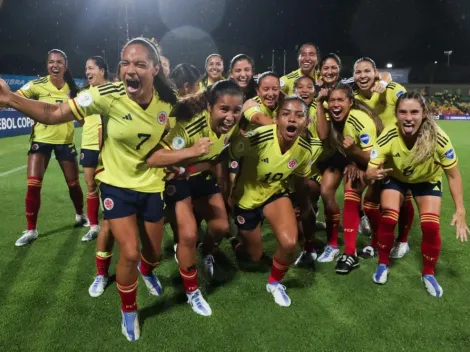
[214, 71]
[57, 87]
[308, 56]
[165, 65]
[205, 124]
[186, 79]
[242, 68]
[134, 114]
[268, 156]
[351, 132]
[382, 103]
[96, 71]
[416, 152]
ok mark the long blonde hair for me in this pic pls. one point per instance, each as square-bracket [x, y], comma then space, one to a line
[426, 143]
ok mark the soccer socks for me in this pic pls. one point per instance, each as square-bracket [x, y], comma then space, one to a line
[146, 267]
[386, 235]
[189, 279]
[33, 201]
[103, 259]
[431, 244]
[332, 226]
[128, 296]
[93, 206]
[352, 204]
[372, 210]
[76, 195]
[278, 271]
[405, 221]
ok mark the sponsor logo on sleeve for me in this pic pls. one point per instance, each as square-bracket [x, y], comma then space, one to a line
[450, 154]
[84, 99]
[178, 143]
[374, 154]
[365, 138]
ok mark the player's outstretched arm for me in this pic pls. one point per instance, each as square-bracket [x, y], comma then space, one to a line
[458, 220]
[48, 114]
[164, 158]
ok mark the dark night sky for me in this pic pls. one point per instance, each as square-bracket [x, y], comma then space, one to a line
[408, 33]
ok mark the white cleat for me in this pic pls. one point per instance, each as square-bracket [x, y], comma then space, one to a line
[329, 254]
[97, 287]
[279, 293]
[153, 284]
[399, 250]
[130, 326]
[91, 234]
[306, 258]
[81, 221]
[209, 265]
[27, 237]
[364, 226]
[381, 274]
[432, 286]
[198, 303]
[175, 247]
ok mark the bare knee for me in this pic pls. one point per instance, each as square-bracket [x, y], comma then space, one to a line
[187, 237]
[288, 242]
[91, 187]
[129, 255]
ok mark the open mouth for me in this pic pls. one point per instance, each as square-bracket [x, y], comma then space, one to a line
[408, 128]
[291, 130]
[336, 113]
[132, 85]
[307, 64]
[55, 71]
[304, 96]
[90, 78]
[227, 126]
[363, 83]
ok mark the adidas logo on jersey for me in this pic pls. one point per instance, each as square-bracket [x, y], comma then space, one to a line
[127, 117]
[397, 155]
[266, 160]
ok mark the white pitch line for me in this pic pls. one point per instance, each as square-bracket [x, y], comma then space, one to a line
[13, 170]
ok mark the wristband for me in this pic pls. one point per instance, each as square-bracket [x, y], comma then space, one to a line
[191, 169]
[384, 83]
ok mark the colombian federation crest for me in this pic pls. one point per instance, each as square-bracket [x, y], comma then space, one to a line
[240, 219]
[292, 163]
[108, 203]
[162, 117]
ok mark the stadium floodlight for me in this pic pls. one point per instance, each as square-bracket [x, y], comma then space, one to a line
[435, 62]
[389, 65]
[448, 53]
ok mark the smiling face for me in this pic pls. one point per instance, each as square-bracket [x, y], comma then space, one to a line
[305, 89]
[56, 65]
[214, 68]
[291, 120]
[410, 116]
[364, 75]
[330, 72]
[268, 91]
[339, 104]
[308, 58]
[94, 74]
[138, 71]
[242, 72]
[226, 113]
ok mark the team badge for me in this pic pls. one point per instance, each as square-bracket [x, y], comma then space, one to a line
[450, 154]
[108, 203]
[178, 143]
[84, 99]
[170, 190]
[365, 138]
[374, 153]
[25, 87]
[162, 117]
[240, 219]
[82, 156]
[234, 164]
[400, 93]
[35, 146]
[292, 164]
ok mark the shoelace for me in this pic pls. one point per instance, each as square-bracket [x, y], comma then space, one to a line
[98, 280]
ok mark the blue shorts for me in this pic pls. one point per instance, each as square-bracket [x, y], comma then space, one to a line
[120, 202]
[335, 162]
[249, 219]
[417, 189]
[89, 158]
[66, 152]
[197, 186]
[233, 166]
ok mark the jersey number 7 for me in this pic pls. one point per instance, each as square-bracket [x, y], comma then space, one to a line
[145, 137]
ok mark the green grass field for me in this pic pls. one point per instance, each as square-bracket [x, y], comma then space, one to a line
[45, 306]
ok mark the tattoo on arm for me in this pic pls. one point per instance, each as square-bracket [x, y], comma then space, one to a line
[47, 111]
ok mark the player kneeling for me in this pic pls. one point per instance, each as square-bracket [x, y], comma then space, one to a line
[417, 152]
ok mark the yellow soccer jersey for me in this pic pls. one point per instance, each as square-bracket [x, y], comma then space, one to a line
[129, 134]
[391, 149]
[263, 169]
[287, 81]
[90, 133]
[361, 127]
[43, 90]
[312, 119]
[186, 134]
[384, 104]
[261, 108]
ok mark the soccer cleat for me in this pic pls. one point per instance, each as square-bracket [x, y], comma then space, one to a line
[320, 225]
[175, 247]
[329, 254]
[346, 264]
[81, 221]
[130, 325]
[368, 252]
[91, 234]
[364, 226]
[209, 265]
[306, 258]
[381, 274]
[27, 237]
[198, 303]
[399, 250]
[97, 287]
[432, 286]
[279, 293]
[153, 284]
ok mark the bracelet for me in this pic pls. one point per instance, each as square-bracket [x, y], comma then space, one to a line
[384, 83]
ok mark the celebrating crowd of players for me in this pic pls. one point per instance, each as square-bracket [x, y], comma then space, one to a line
[176, 147]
